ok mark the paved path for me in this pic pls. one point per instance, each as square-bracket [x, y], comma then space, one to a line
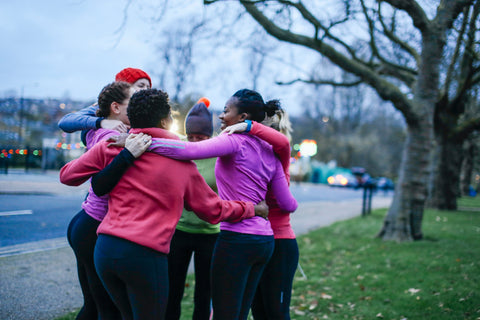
[38, 281]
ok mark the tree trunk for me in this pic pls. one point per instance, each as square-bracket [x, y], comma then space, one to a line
[467, 167]
[404, 218]
[447, 176]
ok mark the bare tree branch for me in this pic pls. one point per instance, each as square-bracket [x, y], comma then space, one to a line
[402, 73]
[467, 71]
[322, 82]
[456, 53]
[465, 129]
[391, 35]
[385, 89]
[413, 9]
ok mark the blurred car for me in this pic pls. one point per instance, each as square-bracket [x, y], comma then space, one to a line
[384, 183]
[342, 180]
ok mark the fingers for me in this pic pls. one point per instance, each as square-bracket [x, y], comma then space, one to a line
[238, 127]
[137, 144]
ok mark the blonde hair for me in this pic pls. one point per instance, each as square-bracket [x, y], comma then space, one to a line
[280, 122]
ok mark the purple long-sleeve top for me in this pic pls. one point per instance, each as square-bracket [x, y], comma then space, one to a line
[96, 206]
[245, 169]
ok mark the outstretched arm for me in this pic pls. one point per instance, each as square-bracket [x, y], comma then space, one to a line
[79, 170]
[281, 191]
[278, 141]
[182, 150]
[208, 206]
[84, 119]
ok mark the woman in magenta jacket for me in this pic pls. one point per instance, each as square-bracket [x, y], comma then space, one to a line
[272, 299]
[246, 169]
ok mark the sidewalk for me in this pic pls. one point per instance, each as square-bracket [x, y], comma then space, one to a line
[41, 282]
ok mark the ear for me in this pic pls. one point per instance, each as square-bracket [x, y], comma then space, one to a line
[164, 123]
[243, 116]
[114, 107]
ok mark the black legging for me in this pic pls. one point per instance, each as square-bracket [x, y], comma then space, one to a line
[274, 292]
[182, 246]
[237, 265]
[136, 277]
[82, 235]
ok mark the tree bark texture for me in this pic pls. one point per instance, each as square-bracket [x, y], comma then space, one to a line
[446, 182]
[467, 167]
[404, 218]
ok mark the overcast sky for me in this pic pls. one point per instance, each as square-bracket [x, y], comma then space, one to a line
[54, 47]
[59, 48]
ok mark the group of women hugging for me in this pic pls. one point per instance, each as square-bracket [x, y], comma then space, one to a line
[149, 208]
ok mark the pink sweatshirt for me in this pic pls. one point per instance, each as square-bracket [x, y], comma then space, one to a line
[245, 169]
[279, 219]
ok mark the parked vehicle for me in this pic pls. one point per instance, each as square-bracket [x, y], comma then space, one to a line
[343, 180]
[384, 183]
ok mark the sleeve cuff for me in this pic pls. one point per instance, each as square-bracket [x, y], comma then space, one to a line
[249, 125]
[127, 155]
[98, 123]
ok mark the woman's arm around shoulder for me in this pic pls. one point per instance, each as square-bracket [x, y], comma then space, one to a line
[79, 170]
[84, 119]
[281, 190]
[183, 150]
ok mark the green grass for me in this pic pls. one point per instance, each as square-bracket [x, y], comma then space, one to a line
[352, 275]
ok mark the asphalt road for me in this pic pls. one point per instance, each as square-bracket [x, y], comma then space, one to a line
[26, 218]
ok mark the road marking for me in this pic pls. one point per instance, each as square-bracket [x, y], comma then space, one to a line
[15, 213]
[32, 247]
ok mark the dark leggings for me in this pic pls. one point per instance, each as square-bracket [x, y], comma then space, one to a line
[183, 245]
[82, 235]
[136, 277]
[237, 265]
[272, 299]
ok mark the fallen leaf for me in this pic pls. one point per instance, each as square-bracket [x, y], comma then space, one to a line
[413, 290]
[323, 295]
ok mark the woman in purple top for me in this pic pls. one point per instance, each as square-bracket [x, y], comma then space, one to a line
[245, 169]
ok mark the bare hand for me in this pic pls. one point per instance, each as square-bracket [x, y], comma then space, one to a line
[237, 127]
[138, 143]
[117, 141]
[116, 125]
[261, 209]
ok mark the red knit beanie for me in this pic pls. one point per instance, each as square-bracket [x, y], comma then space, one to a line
[131, 75]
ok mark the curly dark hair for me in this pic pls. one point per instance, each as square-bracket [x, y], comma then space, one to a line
[251, 102]
[113, 92]
[147, 107]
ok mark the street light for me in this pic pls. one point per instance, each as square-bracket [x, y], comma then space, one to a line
[21, 113]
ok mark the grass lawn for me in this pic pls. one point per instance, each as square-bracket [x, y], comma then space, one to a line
[348, 274]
